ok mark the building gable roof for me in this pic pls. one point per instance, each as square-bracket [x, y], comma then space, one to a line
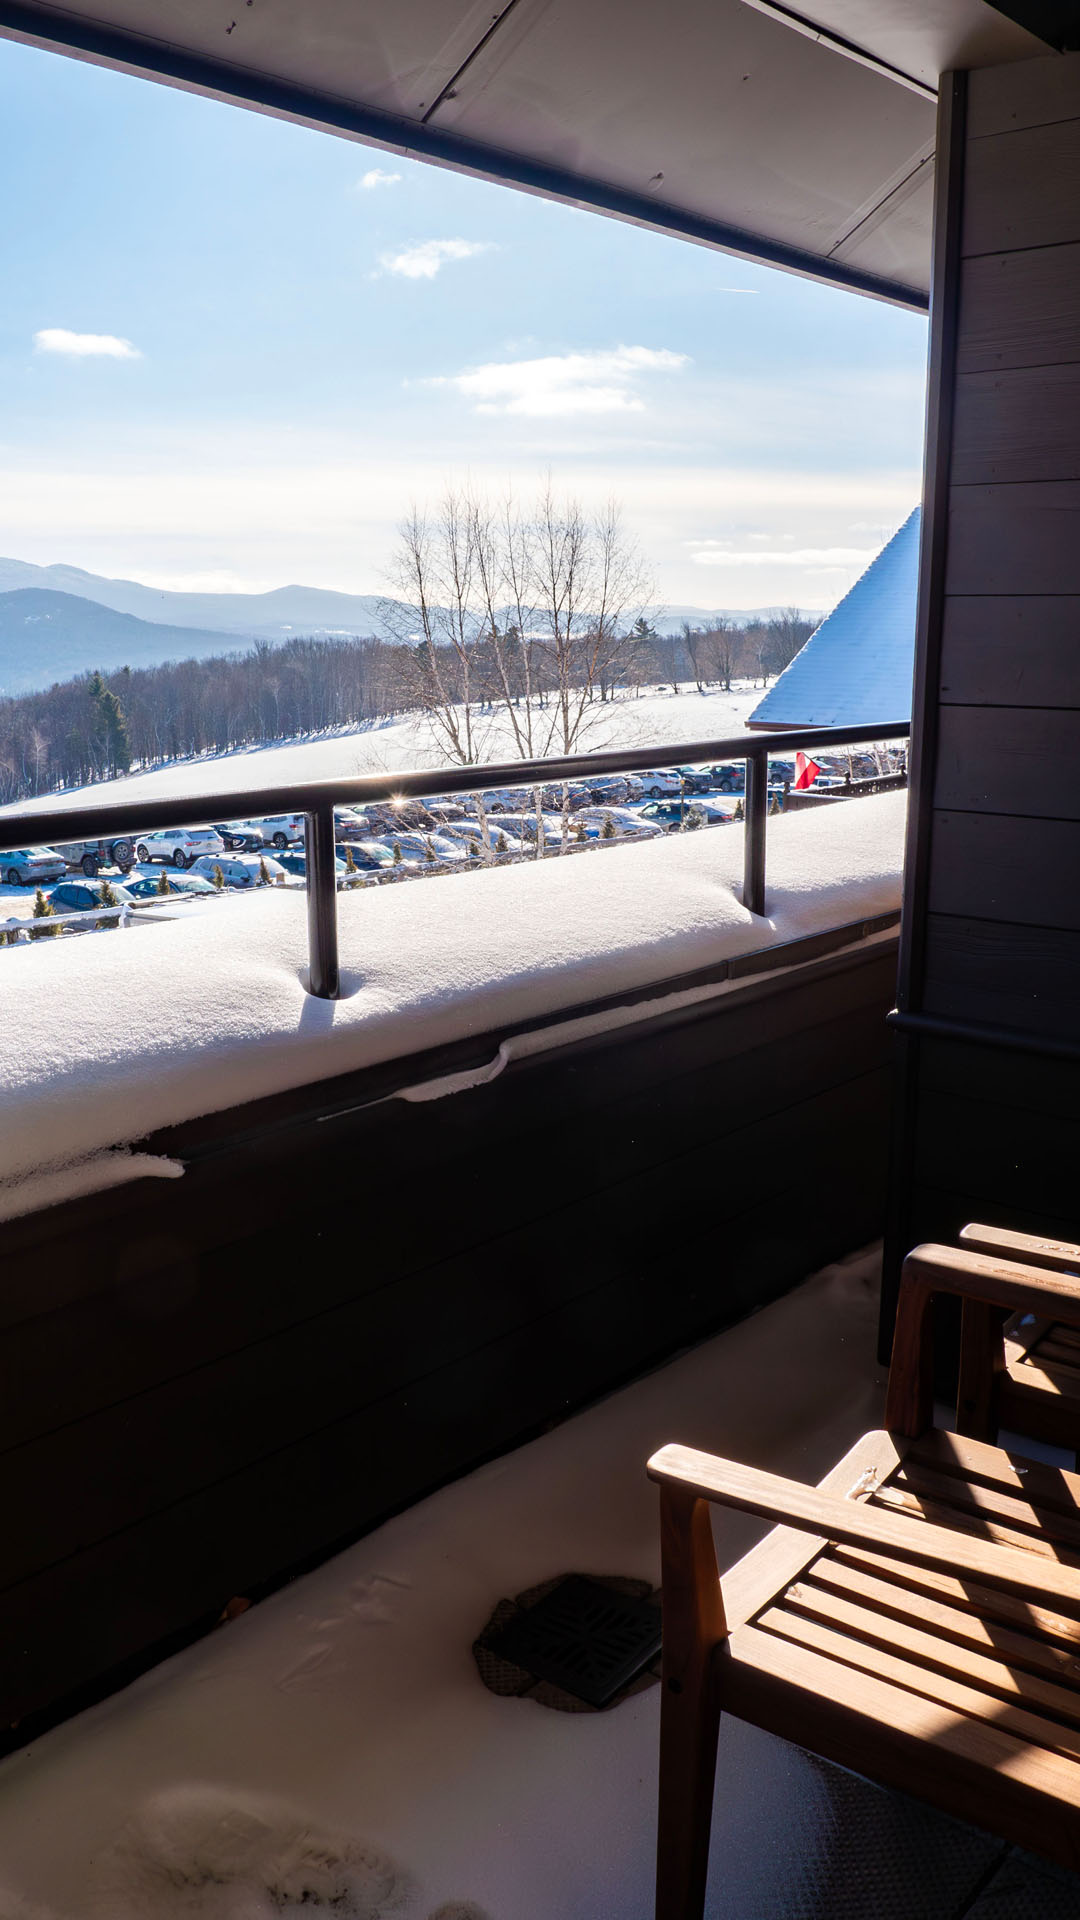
[858, 665]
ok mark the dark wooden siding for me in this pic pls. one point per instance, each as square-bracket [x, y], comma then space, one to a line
[351, 1298]
[994, 898]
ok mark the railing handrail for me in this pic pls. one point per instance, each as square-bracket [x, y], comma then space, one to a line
[317, 799]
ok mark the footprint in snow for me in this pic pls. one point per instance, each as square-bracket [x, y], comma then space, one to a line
[211, 1855]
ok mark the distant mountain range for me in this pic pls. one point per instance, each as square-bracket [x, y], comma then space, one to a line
[45, 637]
[59, 621]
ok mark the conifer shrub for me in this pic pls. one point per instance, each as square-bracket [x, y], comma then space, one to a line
[217, 880]
[43, 910]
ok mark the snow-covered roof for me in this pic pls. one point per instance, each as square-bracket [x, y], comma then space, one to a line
[858, 665]
[110, 1037]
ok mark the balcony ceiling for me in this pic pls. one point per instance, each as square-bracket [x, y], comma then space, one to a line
[722, 120]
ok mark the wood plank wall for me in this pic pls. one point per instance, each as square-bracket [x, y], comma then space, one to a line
[996, 904]
[350, 1299]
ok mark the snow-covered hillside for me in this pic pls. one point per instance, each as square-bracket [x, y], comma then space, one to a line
[658, 717]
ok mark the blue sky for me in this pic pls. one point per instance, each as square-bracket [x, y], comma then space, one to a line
[226, 362]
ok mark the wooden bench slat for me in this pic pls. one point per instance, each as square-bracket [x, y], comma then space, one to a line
[807, 1697]
[1029, 1648]
[1057, 1560]
[990, 1602]
[942, 1689]
[1050, 1487]
[988, 1671]
[972, 1497]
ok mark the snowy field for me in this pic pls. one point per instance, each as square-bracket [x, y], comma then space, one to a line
[399, 746]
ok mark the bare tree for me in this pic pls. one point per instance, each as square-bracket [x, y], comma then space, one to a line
[527, 615]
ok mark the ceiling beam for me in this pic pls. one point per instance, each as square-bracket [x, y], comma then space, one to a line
[87, 39]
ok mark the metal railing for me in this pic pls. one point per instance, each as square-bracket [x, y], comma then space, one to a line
[316, 799]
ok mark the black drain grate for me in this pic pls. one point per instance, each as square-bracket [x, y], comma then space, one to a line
[584, 1637]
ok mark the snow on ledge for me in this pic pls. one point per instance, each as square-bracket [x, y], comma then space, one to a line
[108, 1038]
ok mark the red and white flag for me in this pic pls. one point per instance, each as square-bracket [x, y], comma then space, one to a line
[806, 771]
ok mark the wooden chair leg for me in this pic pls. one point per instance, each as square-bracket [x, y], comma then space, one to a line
[694, 1629]
[982, 1362]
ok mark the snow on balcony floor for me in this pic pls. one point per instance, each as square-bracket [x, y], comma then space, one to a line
[343, 1720]
[107, 1038]
[351, 1699]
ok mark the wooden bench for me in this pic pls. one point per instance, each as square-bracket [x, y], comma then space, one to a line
[916, 1617]
[1021, 1373]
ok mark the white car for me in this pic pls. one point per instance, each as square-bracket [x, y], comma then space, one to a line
[240, 869]
[625, 823]
[28, 866]
[660, 783]
[282, 829]
[180, 846]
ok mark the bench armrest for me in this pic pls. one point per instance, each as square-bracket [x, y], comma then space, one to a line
[982, 1279]
[851, 1522]
[1056, 1256]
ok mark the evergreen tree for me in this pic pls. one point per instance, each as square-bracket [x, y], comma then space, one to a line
[429, 851]
[43, 910]
[500, 844]
[739, 813]
[163, 888]
[474, 851]
[264, 874]
[607, 831]
[580, 834]
[350, 860]
[397, 853]
[107, 898]
[774, 805]
[217, 879]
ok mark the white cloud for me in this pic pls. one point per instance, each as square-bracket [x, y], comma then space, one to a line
[819, 559]
[565, 383]
[375, 177]
[422, 260]
[84, 346]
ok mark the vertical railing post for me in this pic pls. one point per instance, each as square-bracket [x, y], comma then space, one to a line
[320, 861]
[756, 810]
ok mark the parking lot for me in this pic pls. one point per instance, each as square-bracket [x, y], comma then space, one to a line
[86, 887]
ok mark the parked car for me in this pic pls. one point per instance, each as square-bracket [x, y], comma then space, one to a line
[92, 855]
[367, 854]
[351, 824]
[240, 836]
[281, 829]
[713, 813]
[294, 862]
[80, 896]
[414, 848]
[659, 782]
[730, 777]
[389, 816]
[29, 866]
[523, 827]
[470, 832]
[695, 779]
[577, 795]
[665, 814]
[444, 810]
[180, 846]
[179, 884]
[239, 869]
[626, 824]
[613, 789]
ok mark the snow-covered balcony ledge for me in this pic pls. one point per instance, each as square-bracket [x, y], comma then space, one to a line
[113, 1038]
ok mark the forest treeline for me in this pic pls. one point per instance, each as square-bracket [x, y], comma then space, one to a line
[98, 725]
